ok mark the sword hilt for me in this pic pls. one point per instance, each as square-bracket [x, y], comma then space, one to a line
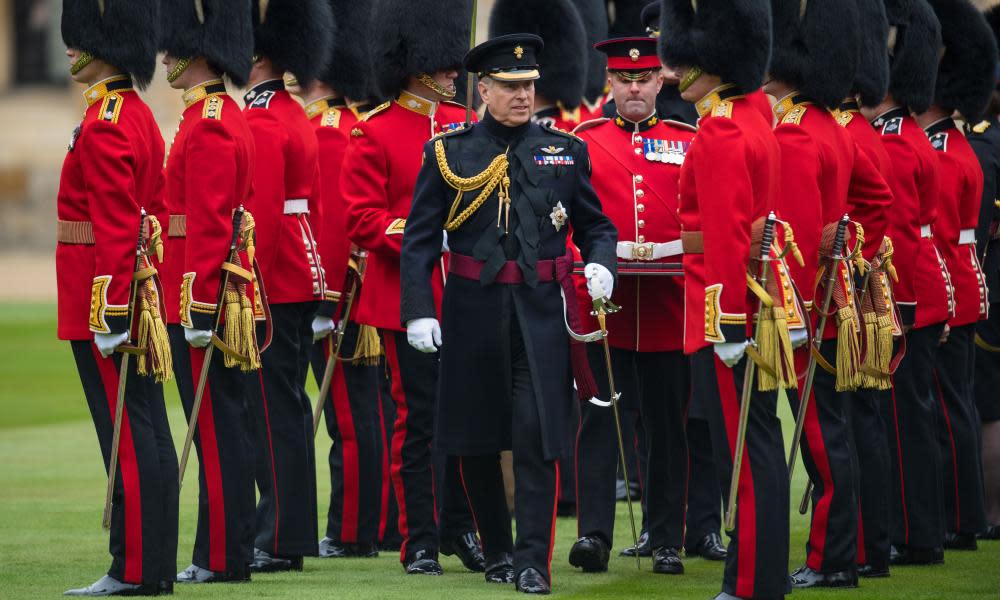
[767, 237]
[839, 239]
[237, 222]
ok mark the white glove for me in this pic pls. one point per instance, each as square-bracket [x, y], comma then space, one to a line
[731, 352]
[107, 342]
[599, 280]
[322, 327]
[424, 334]
[198, 338]
[799, 337]
[444, 242]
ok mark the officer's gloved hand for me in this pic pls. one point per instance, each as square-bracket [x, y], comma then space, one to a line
[107, 342]
[600, 283]
[444, 242]
[322, 327]
[424, 334]
[731, 353]
[799, 337]
[199, 338]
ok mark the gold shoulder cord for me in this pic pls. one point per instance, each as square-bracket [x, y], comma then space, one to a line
[494, 175]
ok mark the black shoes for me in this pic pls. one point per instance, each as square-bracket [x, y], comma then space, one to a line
[709, 547]
[644, 547]
[468, 549]
[109, 586]
[873, 571]
[500, 568]
[330, 548]
[991, 533]
[590, 553]
[266, 563]
[422, 562]
[912, 555]
[195, 574]
[805, 577]
[530, 581]
[667, 561]
[960, 541]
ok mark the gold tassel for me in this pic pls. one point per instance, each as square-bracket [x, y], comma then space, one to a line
[884, 351]
[155, 360]
[870, 369]
[231, 331]
[848, 350]
[767, 345]
[239, 332]
[248, 322]
[785, 357]
[368, 349]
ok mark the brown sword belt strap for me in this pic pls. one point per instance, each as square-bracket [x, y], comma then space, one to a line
[178, 226]
[692, 242]
[75, 232]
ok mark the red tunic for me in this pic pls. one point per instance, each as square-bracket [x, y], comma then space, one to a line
[918, 263]
[113, 169]
[636, 170]
[209, 175]
[729, 179]
[285, 205]
[954, 234]
[380, 171]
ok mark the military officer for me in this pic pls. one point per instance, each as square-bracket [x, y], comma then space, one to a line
[288, 35]
[112, 172]
[377, 178]
[636, 160]
[730, 179]
[506, 358]
[965, 80]
[209, 172]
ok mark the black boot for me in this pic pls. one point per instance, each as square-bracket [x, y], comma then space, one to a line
[267, 563]
[709, 547]
[590, 553]
[667, 561]
[195, 574]
[468, 549]
[500, 568]
[804, 577]
[109, 586]
[530, 581]
[644, 548]
[422, 562]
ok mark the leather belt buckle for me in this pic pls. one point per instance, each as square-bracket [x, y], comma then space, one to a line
[643, 251]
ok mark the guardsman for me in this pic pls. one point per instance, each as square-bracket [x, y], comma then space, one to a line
[985, 139]
[923, 298]
[417, 70]
[965, 80]
[351, 409]
[507, 191]
[209, 172]
[288, 36]
[559, 94]
[112, 172]
[636, 159]
[730, 179]
[824, 175]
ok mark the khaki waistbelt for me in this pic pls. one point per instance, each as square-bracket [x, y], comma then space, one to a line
[75, 232]
[178, 226]
[693, 242]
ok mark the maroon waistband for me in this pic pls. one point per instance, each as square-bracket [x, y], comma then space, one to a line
[467, 267]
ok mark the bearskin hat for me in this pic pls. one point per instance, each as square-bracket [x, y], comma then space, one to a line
[967, 71]
[650, 17]
[595, 22]
[563, 60]
[816, 49]
[122, 33]
[221, 31]
[914, 42]
[295, 34]
[871, 81]
[417, 37]
[625, 17]
[350, 68]
[728, 38]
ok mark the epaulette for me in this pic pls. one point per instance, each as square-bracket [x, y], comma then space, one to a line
[263, 100]
[723, 109]
[212, 108]
[679, 124]
[845, 117]
[981, 127]
[557, 131]
[893, 126]
[590, 124]
[378, 109]
[111, 108]
[794, 116]
[331, 118]
[939, 141]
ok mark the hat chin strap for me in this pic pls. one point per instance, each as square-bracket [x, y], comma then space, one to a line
[178, 69]
[435, 87]
[692, 76]
[85, 59]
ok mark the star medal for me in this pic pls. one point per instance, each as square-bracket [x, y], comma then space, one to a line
[558, 216]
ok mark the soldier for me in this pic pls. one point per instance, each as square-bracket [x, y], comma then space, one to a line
[351, 410]
[729, 179]
[209, 172]
[417, 68]
[636, 160]
[823, 177]
[985, 139]
[922, 296]
[505, 363]
[288, 35]
[112, 172]
[966, 77]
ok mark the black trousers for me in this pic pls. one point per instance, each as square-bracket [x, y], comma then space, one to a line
[757, 563]
[352, 413]
[285, 452]
[832, 544]
[873, 473]
[958, 432]
[536, 493]
[223, 439]
[661, 381]
[414, 392]
[916, 509]
[988, 368]
[143, 542]
[388, 527]
[704, 497]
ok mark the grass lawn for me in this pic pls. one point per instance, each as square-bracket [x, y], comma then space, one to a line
[52, 492]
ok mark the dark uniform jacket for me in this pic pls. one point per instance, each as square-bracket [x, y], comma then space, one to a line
[984, 137]
[550, 190]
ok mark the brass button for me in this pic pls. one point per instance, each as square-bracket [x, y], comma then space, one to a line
[641, 239]
[639, 193]
[637, 139]
[640, 207]
[638, 151]
[641, 223]
[638, 178]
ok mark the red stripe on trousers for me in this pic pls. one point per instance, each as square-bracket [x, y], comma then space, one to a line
[902, 478]
[746, 509]
[128, 470]
[349, 452]
[398, 437]
[213, 471]
[270, 449]
[954, 452]
[465, 489]
[383, 516]
[552, 531]
[816, 446]
[862, 555]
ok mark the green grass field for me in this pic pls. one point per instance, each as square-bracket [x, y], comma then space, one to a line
[52, 492]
